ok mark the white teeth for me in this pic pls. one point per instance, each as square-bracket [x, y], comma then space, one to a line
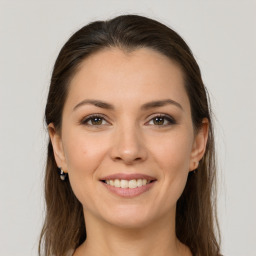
[127, 183]
[124, 184]
[139, 182]
[117, 183]
[132, 183]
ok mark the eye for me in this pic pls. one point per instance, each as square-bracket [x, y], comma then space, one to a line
[94, 120]
[162, 120]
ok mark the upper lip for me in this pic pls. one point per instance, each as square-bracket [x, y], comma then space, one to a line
[130, 176]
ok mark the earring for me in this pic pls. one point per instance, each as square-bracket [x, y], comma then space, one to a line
[63, 175]
[195, 170]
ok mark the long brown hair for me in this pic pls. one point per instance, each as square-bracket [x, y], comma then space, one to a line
[196, 221]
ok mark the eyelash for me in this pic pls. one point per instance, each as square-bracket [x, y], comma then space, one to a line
[90, 118]
[169, 119]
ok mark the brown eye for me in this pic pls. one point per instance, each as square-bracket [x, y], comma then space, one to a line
[162, 120]
[158, 120]
[94, 121]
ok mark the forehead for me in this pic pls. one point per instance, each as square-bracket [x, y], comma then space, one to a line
[115, 75]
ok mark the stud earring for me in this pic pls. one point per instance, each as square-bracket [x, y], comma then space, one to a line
[63, 175]
[195, 170]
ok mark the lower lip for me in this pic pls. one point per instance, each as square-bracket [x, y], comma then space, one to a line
[129, 192]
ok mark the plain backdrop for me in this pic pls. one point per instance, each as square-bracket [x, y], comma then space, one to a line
[222, 36]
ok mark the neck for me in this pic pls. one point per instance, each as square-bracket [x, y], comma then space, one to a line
[158, 238]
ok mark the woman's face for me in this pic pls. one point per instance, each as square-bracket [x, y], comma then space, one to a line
[127, 122]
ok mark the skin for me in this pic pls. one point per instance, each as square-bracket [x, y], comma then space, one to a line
[128, 140]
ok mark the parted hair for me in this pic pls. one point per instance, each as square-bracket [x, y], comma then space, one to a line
[196, 218]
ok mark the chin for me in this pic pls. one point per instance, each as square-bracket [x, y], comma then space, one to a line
[129, 217]
[130, 223]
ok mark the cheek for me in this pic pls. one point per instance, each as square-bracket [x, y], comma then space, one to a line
[173, 158]
[83, 156]
[82, 152]
[173, 152]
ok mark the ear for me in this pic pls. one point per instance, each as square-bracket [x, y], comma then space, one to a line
[57, 147]
[199, 145]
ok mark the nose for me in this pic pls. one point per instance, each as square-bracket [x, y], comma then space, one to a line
[128, 146]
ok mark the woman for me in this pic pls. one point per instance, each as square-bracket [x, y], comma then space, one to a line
[131, 162]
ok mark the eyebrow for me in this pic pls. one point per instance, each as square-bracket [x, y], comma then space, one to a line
[97, 103]
[160, 103]
[146, 106]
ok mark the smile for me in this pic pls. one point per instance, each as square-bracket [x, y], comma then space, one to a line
[128, 192]
[127, 183]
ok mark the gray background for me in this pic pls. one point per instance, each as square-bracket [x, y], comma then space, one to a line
[222, 36]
